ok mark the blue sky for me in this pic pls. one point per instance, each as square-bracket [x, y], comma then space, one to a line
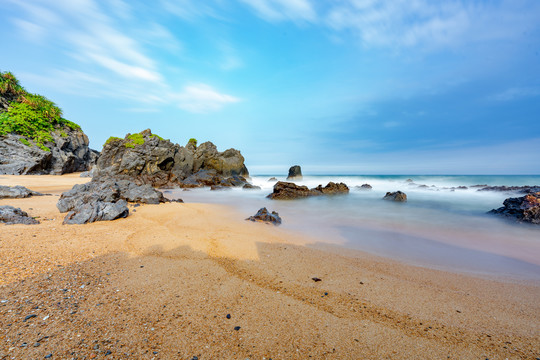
[337, 86]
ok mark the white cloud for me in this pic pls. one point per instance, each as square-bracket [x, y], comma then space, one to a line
[202, 98]
[277, 10]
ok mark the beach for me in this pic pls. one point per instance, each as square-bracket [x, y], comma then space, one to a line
[193, 280]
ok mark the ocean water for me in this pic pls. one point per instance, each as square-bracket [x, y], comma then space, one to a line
[437, 227]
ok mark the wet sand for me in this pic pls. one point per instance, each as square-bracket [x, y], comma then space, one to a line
[161, 283]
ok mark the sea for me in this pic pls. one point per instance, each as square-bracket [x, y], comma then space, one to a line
[440, 226]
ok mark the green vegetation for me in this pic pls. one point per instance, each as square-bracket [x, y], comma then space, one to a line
[33, 116]
[112, 139]
[25, 142]
[193, 141]
[155, 135]
[134, 139]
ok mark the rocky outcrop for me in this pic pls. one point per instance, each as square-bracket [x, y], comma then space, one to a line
[16, 192]
[295, 173]
[104, 200]
[69, 153]
[522, 209]
[251, 187]
[146, 158]
[395, 196]
[263, 215]
[288, 191]
[272, 179]
[10, 215]
[518, 189]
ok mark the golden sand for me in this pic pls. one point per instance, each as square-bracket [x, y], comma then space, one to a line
[161, 283]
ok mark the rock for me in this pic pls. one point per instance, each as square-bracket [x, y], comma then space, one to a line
[104, 199]
[332, 189]
[10, 215]
[264, 216]
[522, 209]
[409, 180]
[16, 192]
[28, 317]
[295, 173]
[518, 189]
[145, 158]
[365, 187]
[287, 190]
[272, 179]
[251, 187]
[316, 279]
[228, 316]
[237, 328]
[219, 187]
[396, 196]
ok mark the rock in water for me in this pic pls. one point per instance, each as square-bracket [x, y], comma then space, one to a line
[365, 187]
[295, 173]
[146, 158]
[10, 215]
[16, 192]
[288, 191]
[264, 216]
[522, 209]
[396, 196]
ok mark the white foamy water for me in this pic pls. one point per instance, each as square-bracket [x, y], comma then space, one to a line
[436, 228]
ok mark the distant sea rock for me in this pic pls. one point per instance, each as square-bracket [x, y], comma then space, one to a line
[364, 187]
[263, 215]
[289, 191]
[519, 189]
[146, 158]
[295, 173]
[398, 196]
[10, 215]
[522, 209]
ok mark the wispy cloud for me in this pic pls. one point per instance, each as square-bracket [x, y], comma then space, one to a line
[202, 98]
[277, 10]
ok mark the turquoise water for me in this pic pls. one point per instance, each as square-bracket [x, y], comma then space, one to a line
[438, 227]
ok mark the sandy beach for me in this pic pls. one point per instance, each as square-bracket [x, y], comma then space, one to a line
[186, 281]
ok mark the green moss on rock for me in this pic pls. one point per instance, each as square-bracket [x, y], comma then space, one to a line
[25, 142]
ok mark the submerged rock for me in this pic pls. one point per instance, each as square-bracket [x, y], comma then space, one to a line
[519, 189]
[16, 192]
[251, 187]
[145, 158]
[272, 179]
[288, 191]
[522, 209]
[264, 216]
[365, 187]
[395, 196]
[10, 215]
[295, 173]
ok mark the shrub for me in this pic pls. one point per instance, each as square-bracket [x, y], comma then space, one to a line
[112, 139]
[193, 141]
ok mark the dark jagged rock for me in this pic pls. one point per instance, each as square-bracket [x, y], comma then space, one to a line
[67, 154]
[251, 187]
[295, 173]
[16, 192]
[522, 209]
[104, 200]
[263, 215]
[10, 215]
[332, 189]
[519, 189]
[365, 187]
[145, 158]
[396, 196]
[288, 191]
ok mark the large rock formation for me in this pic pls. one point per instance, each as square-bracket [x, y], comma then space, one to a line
[289, 191]
[10, 215]
[295, 173]
[34, 138]
[104, 200]
[148, 159]
[522, 209]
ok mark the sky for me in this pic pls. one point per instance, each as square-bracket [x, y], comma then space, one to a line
[336, 86]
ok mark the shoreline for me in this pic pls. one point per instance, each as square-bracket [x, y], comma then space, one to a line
[166, 276]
